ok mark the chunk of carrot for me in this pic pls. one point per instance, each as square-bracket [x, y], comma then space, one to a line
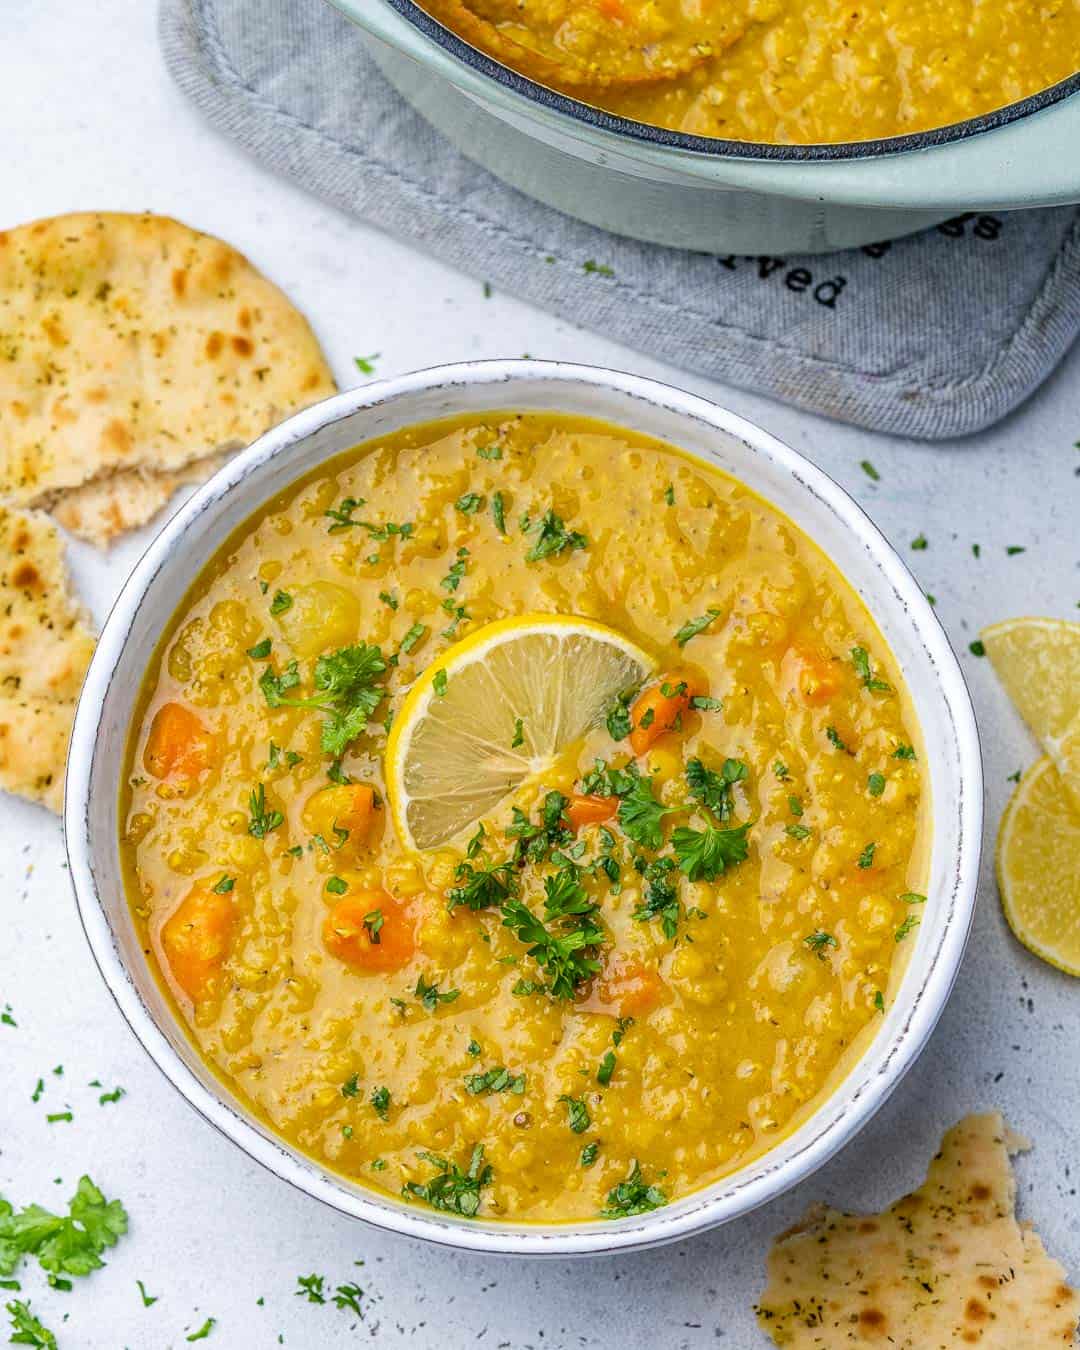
[179, 747]
[196, 939]
[631, 988]
[371, 946]
[656, 711]
[589, 809]
[810, 673]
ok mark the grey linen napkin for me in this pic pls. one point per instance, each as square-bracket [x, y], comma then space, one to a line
[932, 336]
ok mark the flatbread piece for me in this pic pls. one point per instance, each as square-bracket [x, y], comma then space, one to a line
[45, 647]
[132, 343]
[944, 1268]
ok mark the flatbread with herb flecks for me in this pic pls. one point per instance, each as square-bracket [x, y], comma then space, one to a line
[45, 646]
[944, 1268]
[132, 343]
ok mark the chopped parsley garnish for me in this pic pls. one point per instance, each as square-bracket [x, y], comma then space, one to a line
[110, 1098]
[797, 831]
[903, 752]
[602, 781]
[225, 885]
[388, 599]
[553, 538]
[861, 661]
[262, 822]
[261, 650]
[577, 1113]
[836, 741]
[373, 922]
[349, 1296]
[452, 1190]
[489, 451]
[1013, 549]
[473, 1048]
[866, 857]
[589, 1153]
[641, 815]
[346, 693]
[351, 1086]
[430, 997]
[69, 1245]
[879, 1000]
[599, 269]
[692, 627]
[561, 954]
[366, 364]
[619, 724]
[913, 898]
[875, 784]
[148, 1300]
[498, 512]
[706, 854]
[480, 886]
[795, 806]
[712, 788]
[344, 518]
[870, 471]
[311, 1287]
[920, 542]
[380, 1100]
[606, 1069]
[281, 602]
[669, 494]
[439, 683]
[702, 703]
[498, 1079]
[26, 1329]
[204, 1331]
[337, 885]
[535, 842]
[781, 771]
[661, 898]
[632, 1196]
[412, 637]
[469, 503]
[456, 574]
[820, 942]
[912, 921]
[977, 648]
[519, 734]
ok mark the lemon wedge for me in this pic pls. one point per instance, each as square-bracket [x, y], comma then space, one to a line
[1038, 867]
[496, 710]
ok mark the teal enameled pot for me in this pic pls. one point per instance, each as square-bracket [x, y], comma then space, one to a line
[714, 195]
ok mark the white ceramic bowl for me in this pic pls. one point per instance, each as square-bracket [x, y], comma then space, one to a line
[803, 492]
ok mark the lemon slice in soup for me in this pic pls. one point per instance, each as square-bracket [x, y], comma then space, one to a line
[496, 709]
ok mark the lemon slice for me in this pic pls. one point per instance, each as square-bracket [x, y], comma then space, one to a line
[1038, 867]
[542, 680]
[1038, 662]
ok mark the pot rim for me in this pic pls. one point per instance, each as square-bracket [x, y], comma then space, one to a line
[597, 119]
[830, 1126]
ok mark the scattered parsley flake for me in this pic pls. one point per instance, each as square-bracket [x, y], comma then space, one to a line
[591, 267]
[351, 1086]
[1013, 549]
[836, 740]
[861, 661]
[692, 627]
[469, 503]
[439, 683]
[819, 942]
[577, 1113]
[920, 542]
[903, 752]
[262, 822]
[366, 364]
[430, 997]
[553, 538]
[977, 648]
[797, 831]
[606, 1069]
[589, 1153]
[632, 1196]
[281, 602]
[875, 784]
[452, 1190]
[912, 921]
[866, 857]
[870, 471]
[148, 1300]
[261, 650]
[380, 1101]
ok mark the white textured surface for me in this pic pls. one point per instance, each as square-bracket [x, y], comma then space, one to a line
[93, 122]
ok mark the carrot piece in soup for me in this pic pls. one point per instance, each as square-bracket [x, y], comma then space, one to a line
[372, 931]
[632, 988]
[196, 939]
[656, 711]
[811, 673]
[179, 747]
[589, 809]
[349, 807]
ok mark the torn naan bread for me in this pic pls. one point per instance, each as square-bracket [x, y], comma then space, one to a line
[134, 343]
[45, 647]
[944, 1268]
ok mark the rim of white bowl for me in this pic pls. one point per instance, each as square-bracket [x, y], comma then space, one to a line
[825, 1131]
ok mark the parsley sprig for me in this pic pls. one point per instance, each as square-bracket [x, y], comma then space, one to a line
[553, 538]
[346, 692]
[632, 1196]
[452, 1190]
